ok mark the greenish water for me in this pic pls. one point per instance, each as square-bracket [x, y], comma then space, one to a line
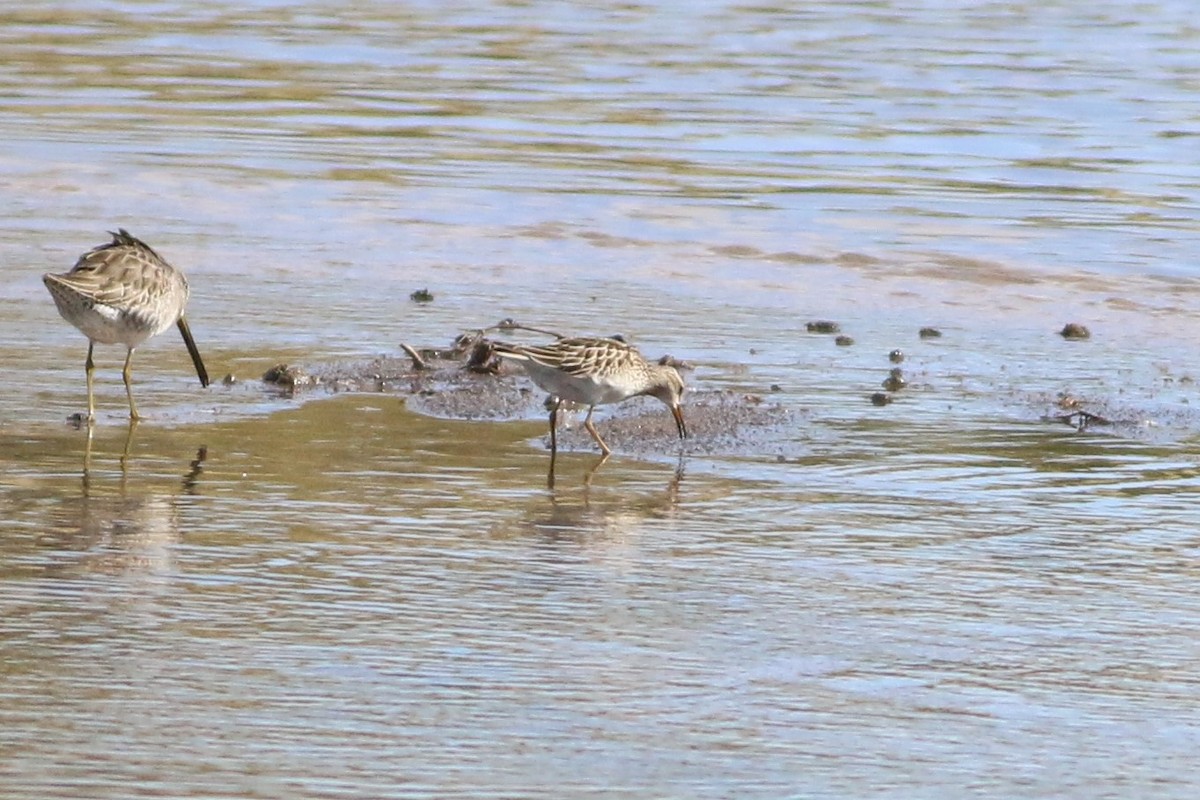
[254, 595]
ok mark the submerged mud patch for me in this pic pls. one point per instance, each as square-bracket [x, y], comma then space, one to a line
[465, 381]
[445, 385]
[719, 423]
[1145, 418]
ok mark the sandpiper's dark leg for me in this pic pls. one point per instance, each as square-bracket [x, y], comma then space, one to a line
[554, 426]
[89, 367]
[553, 441]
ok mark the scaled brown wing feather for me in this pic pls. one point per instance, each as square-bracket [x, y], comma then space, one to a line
[97, 277]
[580, 357]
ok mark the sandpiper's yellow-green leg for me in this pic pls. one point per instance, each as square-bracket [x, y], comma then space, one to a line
[127, 375]
[587, 423]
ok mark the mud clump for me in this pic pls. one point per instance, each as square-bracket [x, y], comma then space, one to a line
[844, 341]
[1075, 331]
[822, 326]
[671, 361]
[929, 333]
[895, 381]
[289, 378]
[421, 296]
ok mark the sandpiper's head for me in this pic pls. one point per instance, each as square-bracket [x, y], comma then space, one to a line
[668, 387]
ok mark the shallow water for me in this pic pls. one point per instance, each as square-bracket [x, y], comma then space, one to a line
[256, 595]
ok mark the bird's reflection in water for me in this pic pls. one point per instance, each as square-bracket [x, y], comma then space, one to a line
[607, 514]
[124, 459]
[587, 477]
[120, 524]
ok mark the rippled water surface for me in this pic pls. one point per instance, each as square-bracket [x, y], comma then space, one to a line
[252, 594]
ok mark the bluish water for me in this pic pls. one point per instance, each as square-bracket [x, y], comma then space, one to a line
[251, 595]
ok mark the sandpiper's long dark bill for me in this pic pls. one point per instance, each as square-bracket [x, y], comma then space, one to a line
[595, 371]
[123, 292]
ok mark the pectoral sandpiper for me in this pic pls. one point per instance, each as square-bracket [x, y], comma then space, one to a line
[123, 292]
[592, 372]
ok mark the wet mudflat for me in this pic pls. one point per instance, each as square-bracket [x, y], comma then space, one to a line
[342, 570]
[365, 586]
[466, 381]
